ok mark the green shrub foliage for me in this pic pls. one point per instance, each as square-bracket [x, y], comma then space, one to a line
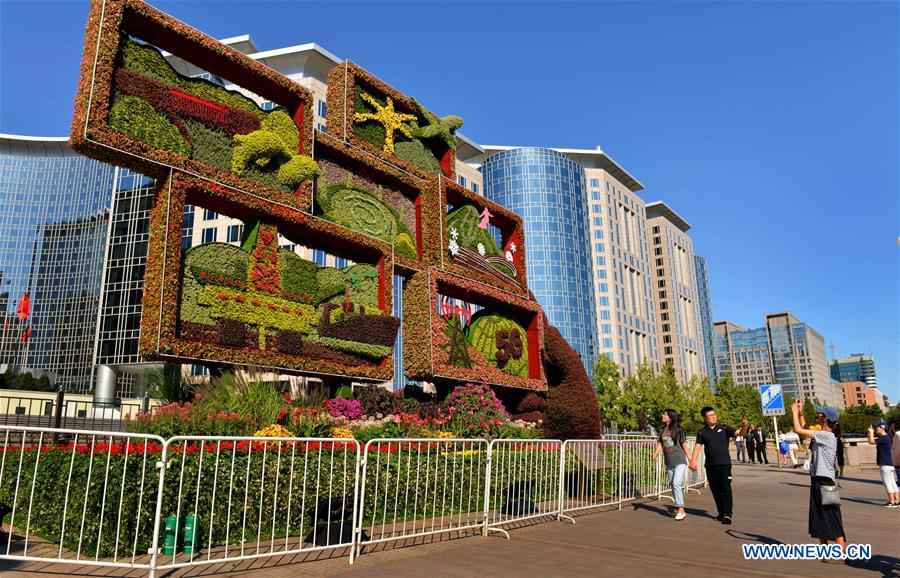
[209, 146]
[298, 276]
[139, 120]
[465, 220]
[416, 153]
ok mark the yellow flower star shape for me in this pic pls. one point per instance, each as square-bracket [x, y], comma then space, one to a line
[388, 117]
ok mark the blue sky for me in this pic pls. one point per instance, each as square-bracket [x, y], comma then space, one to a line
[771, 127]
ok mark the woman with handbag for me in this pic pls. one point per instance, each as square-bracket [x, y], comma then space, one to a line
[825, 521]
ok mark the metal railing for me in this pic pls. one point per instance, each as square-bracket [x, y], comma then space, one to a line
[257, 497]
[522, 482]
[91, 501]
[420, 487]
[61, 413]
[138, 501]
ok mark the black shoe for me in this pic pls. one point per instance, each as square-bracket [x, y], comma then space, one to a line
[726, 520]
[719, 517]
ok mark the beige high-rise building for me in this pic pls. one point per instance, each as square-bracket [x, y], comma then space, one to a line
[675, 292]
[626, 313]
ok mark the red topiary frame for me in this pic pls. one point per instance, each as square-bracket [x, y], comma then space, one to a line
[509, 223]
[161, 304]
[91, 134]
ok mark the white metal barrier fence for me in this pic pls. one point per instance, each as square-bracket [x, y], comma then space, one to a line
[233, 498]
[141, 502]
[523, 482]
[91, 501]
[420, 487]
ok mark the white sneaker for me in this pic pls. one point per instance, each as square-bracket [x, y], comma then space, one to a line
[680, 516]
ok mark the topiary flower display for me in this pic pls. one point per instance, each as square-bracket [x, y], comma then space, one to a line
[390, 119]
[501, 341]
[473, 410]
[365, 211]
[274, 145]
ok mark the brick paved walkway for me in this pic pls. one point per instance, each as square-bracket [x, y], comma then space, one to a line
[641, 540]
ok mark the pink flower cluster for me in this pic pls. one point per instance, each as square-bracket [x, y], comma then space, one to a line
[347, 408]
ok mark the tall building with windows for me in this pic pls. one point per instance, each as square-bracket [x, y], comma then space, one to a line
[742, 353]
[856, 367]
[547, 189]
[625, 318]
[704, 301]
[675, 292]
[54, 218]
[785, 351]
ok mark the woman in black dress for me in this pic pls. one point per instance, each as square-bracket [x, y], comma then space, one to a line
[825, 522]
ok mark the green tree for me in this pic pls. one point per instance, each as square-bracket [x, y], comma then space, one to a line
[609, 393]
[809, 412]
[692, 397]
[644, 397]
[736, 401]
[861, 409]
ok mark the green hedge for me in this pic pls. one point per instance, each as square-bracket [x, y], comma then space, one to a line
[298, 276]
[138, 119]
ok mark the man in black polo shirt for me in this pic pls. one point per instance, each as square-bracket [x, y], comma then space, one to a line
[714, 438]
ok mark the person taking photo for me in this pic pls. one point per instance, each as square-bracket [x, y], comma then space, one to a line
[825, 521]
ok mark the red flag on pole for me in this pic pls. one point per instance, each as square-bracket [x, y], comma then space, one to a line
[24, 308]
[25, 334]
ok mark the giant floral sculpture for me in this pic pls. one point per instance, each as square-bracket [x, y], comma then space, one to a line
[378, 191]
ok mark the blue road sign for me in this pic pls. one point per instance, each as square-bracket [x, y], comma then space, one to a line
[772, 399]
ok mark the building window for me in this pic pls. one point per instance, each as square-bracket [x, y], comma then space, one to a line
[209, 215]
[655, 230]
[604, 315]
[595, 182]
[607, 328]
[601, 261]
[267, 105]
[462, 180]
[604, 301]
[599, 247]
[595, 195]
[323, 108]
[474, 187]
[235, 232]
[598, 221]
[209, 235]
[604, 288]
[596, 208]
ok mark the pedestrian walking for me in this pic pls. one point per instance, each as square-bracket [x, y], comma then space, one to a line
[750, 441]
[759, 440]
[878, 436]
[714, 438]
[792, 440]
[673, 444]
[825, 520]
[740, 443]
[895, 447]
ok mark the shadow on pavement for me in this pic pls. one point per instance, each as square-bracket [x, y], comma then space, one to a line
[667, 512]
[888, 566]
[750, 537]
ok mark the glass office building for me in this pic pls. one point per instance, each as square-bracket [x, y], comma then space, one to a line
[547, 189]
[704, 302]
[54, 222]
[856, 367]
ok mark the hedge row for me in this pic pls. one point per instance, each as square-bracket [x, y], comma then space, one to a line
[255, 490]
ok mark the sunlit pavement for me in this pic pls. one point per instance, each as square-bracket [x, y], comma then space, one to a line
[640, 540]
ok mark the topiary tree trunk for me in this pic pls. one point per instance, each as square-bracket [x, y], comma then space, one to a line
[572, 411]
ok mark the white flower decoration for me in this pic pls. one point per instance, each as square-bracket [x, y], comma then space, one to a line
[454, 234]
[453, 246]
[512, 247]
[481, 249]
[509, 256]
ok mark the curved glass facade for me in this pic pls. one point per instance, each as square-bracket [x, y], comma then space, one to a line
[547, 189]
[54, 223]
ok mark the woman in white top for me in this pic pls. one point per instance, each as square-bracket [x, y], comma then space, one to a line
[825, 522]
